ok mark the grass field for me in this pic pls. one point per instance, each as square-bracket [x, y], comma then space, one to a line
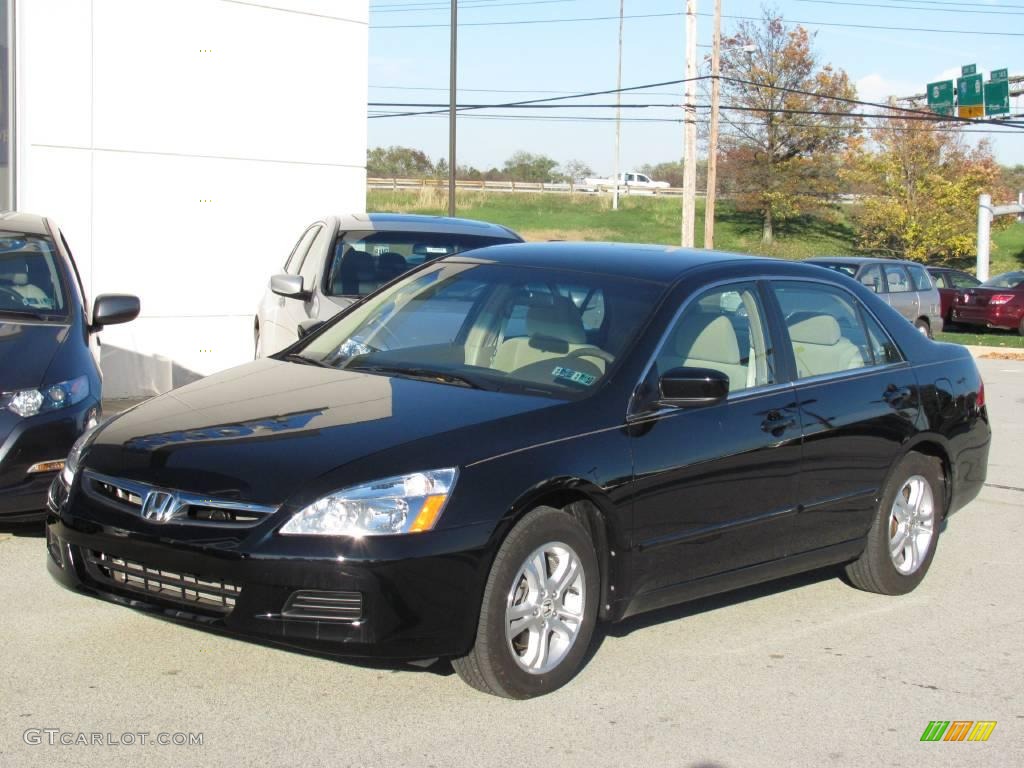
[657, 220]
[989, 338]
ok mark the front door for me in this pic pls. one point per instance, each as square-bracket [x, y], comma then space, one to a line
[712, 484]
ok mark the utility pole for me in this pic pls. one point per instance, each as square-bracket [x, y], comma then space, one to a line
[452, 93]
[690, 127]
[716, 92]
[618, 111]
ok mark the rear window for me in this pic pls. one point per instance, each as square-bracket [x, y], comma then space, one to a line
[362, 262]
[30, 280]
[1005, 280]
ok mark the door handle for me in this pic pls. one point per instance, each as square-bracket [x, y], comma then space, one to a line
[775, 423]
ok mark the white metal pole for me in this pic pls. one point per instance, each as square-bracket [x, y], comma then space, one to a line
[984, 228]
[618, 111]
[716, 89]
[452, 94]
[690, 127]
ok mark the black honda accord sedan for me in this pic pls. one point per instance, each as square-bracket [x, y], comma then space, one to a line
[496, 451]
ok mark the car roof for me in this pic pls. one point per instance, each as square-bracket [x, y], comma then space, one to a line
[27, 223]
[413, 222]
[655, 263]
[857, 260]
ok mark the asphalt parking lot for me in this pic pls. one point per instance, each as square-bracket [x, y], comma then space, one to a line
[807, 671]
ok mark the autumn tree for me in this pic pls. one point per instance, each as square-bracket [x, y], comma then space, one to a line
[919, 190]
[782, 142]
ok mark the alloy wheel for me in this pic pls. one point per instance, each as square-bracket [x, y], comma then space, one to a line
[545, 607]
[911, 525]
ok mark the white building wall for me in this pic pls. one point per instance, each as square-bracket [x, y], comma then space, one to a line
[183, 146]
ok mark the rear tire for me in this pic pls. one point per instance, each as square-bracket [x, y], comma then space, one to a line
[924, 327]
[538, 611]
[901, 543]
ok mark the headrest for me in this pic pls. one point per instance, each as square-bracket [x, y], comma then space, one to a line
[717, 343]
[356, 261]
[815, 329]
[558, 320]
[16, 278]
[390, 260]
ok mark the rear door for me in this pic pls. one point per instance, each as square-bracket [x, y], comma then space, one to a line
[858, 402]
[713, 484]
[900, 291]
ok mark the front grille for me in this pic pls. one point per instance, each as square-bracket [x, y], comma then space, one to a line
[315, 604]
[178, 506]
[180, 588]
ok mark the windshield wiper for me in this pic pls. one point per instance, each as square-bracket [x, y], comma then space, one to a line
[295, 357]
[45, 316]
[427, 374]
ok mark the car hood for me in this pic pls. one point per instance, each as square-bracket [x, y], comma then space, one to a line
[260, 431]
[26, 351]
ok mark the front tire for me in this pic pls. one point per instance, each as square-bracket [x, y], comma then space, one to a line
[902, 540]
[538, 611]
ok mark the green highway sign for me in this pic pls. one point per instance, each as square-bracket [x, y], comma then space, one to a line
[997, 97]
[940, 97]
[1000, 74]
[969, 91]
[969, 69]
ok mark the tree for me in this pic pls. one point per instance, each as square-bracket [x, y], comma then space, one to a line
[672, 172]
[781, 149]
[526, 166]
[576, 171]
[398, 162]
[920, 191]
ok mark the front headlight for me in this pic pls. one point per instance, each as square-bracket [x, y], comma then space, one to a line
[75, 456]
[29, 402]
[395, 505]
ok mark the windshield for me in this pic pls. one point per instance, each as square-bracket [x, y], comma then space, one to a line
[490, 326]
[1005, 280]
[850, 270]
[364, 261]
[30, 282]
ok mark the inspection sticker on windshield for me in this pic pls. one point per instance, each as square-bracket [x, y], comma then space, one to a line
[575, 376]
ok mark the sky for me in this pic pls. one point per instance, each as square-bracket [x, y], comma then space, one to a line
[511, 62]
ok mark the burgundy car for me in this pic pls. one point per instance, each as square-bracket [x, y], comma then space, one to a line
[996, 303]
[948, 282]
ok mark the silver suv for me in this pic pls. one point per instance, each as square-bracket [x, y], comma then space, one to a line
[904, 284]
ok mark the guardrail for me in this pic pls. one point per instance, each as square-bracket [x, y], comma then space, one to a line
[563, 188]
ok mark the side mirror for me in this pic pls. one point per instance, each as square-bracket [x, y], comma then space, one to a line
[685, 387]
[289, 286]
[114, 308]
[307, 327]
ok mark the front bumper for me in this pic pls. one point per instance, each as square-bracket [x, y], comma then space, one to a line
[999, 316]
[416, 596]
[44, 437]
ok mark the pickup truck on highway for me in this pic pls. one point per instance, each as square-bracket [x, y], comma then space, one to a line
[630, 182]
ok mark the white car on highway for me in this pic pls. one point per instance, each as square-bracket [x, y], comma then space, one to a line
[629, 183]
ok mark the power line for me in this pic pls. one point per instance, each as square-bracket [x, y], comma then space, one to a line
[1009, 129]
[986, 33]
[435, 5]
[892, 7]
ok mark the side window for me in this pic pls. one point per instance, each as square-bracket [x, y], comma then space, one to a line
[308, 266]
[963, 280]
[920, 277]
[883, 349]
[824, 328]
[723, 330]
[872, 278]
[298, 253]
[896, 280]
[939, 278]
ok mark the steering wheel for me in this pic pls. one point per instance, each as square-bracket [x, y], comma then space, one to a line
[593, 352]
